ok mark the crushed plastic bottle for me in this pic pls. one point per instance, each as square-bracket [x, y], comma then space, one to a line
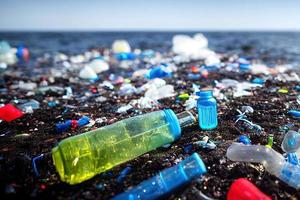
[273, 161]
[98, 65]
[81, 157]
[167, 181]
[207, 110]
[9, 113]
[161, 92]
[242, 189]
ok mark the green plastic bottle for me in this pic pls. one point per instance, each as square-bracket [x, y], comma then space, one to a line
[81, 157]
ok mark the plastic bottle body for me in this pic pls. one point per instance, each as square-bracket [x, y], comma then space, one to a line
[83, 156]
[273, 161]
[167, 180]
[207, 110]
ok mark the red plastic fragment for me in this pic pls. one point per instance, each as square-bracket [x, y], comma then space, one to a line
[242, 189]
[9, 113]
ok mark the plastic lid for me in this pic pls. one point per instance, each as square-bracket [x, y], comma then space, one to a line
[244, 189]
[173, 121]
[205, 93]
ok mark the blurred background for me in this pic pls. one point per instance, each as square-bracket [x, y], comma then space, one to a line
[268, 28]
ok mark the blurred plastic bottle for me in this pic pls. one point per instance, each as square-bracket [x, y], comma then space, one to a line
[242, 189]
[121, 46]
[207, 110]
[273, 161]
[81, 157]
[167, 181]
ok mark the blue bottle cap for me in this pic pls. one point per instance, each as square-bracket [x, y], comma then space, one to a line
[204, 93]
[173, 121]
[244, 139]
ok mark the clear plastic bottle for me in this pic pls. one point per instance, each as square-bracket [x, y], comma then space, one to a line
[167, 180]
[207, 110]
[81, 157]
[273, 161]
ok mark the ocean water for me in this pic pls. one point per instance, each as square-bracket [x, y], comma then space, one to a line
[271, 47]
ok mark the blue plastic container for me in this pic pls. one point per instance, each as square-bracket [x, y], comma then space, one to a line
[207, 110]
[167, 181]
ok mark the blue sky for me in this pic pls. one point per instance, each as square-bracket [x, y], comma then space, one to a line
[150, 15]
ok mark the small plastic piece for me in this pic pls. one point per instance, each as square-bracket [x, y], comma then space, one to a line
[242, 189]
[160, 71]
[270, 141]
[9, 113]
[291, 142]
[244, 139]
[167, 181]
[207, 110]
[125, 56]
[295, 113]
[123, 173]
[273, 161]
[293, 158]
[61, 127]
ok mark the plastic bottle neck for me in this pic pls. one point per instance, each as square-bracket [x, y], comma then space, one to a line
[205, 94]
[186, 119]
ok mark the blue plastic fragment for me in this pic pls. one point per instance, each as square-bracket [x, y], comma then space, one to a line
[258, 81]
[123, 174]
[295, 113]
[83, 121]
[20, 51]
[125, 56]
[244, 66]
[192, 76]
[34, 166]
[188, 148]
[159, 71]
[64, 126]
[52, 104]
[297, 88]
[244, 139]
[293, 158]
